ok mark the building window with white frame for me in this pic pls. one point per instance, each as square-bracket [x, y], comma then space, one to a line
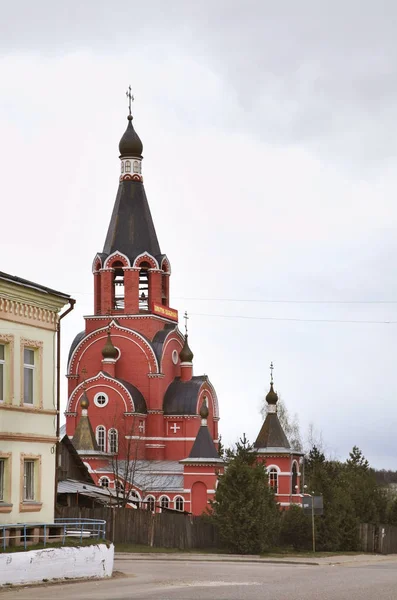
[101, 399]
[179, 503]
[101, 438]
[2, 479]
[150, 503]
[104, 482]
[28, 375]
[164, 502]
[29, 483]
[113, 440]
[136, 166]
[128, 166]
[273, 479]
[2, 371]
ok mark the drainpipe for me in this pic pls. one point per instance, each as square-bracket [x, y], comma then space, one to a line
[72, 302]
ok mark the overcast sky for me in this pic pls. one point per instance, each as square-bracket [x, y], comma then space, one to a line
[269, 133]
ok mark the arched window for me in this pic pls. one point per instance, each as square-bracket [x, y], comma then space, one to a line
[119, 486]
[134, 498]
[144, 286]
[178, 503]
[150, 503]
[164, 502]
[122, 167]
[101, 438]
[136, 166]
[113, 441]
[294, 481]
[104, 482]
[128, 166]
[273, 479]
[118, 285]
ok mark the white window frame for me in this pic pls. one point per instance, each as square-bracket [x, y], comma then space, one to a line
[148, 499]
[2, 479]
[112, 431]
[29, 489]
[100, 429]
[30, 368]
[128, 166]
[102, 479]
[183, 503]
[97, 396]
[161, 502]
[273, 470]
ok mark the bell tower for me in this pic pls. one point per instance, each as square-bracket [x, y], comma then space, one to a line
[131, 275]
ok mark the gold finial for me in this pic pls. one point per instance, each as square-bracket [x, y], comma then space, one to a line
[185, 316]
[271, 373]
[130, 99]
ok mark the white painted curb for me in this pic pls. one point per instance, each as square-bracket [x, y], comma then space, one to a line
[33, 566]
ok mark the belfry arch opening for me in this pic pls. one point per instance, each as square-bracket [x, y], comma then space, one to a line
[144, 286]
[118, 285]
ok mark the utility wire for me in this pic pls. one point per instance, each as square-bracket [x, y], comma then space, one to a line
[264, 301]
[293, 319]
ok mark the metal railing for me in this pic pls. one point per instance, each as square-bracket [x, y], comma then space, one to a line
[27, 534]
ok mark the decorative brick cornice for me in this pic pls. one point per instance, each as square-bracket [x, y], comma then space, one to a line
[24, 312]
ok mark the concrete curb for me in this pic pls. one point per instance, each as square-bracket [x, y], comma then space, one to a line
[210, 558]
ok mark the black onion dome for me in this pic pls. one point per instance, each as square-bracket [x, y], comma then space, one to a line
[271, 397]
[109, 351]
[186, 355]
[204, 412]
[130, 144]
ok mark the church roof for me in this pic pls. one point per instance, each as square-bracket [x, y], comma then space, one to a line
[131, 229]
[159, 339]
[139, 400]
[272, 434]
[84, 438]
[181, 396]
[204, 446]
[75, 343]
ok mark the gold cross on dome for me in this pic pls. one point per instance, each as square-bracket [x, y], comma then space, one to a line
[130, 98]
[186, 320]
[271, 372]
[84, 373]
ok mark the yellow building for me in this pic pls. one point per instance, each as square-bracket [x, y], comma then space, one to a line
[29, 398]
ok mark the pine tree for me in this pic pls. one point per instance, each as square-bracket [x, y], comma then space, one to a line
[244, 508]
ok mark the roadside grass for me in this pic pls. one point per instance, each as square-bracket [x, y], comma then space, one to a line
[140, 548]
[273, 553]
[69, 542]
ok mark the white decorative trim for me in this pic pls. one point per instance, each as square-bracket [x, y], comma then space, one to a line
[101, 375]
[97, 334]
[114, 255]
[149, 257]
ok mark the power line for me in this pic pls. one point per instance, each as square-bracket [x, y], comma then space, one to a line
[288, 301]
[265, 301]
[294, 319]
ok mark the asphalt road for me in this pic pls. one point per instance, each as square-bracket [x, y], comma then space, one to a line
[172, 580]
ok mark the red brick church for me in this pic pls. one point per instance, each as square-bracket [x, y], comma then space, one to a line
[132, 395]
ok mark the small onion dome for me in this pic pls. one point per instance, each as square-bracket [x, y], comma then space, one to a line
[84, 402]
[186, 355]
[130, 144]
[204, 412]
[109, 351]
[271, 397]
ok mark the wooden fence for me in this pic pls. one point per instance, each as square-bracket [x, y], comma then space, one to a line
[381, 539]
[164, 530]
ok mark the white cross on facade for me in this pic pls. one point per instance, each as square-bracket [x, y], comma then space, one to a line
[141, 427]
[174, 427]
